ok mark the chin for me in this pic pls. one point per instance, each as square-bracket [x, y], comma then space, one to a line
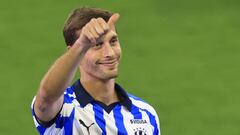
[109, 76]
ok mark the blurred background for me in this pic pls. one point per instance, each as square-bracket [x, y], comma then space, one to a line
[180, 56]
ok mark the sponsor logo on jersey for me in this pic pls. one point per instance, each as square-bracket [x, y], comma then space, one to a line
[87, 127]
[138, 121]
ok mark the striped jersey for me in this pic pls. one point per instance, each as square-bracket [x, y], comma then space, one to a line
[82, 115]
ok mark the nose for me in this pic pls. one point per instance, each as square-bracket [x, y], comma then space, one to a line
[108, 50]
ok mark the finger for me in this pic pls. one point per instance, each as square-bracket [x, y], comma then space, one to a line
[89, 36]
[113, 20]
[99, 29]
[92, 30]
[103, 24]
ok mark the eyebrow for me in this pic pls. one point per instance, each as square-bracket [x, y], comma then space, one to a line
[114, 37]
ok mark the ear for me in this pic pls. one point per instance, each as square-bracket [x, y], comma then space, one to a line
[68, 47]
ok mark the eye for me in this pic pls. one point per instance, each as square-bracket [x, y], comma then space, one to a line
[98, 45]
[113, 41]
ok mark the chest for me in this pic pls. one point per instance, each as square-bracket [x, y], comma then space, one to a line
[93, 120]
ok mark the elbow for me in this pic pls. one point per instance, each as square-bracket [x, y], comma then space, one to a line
[44, 93]
[47, 93]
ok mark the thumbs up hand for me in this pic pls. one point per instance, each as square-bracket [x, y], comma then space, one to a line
[94, 29]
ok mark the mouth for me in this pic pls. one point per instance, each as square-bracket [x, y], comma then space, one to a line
[109, 63]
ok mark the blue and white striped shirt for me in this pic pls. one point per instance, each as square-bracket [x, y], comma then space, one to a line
[82, 115]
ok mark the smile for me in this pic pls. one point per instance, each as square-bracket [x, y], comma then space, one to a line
[109, 63]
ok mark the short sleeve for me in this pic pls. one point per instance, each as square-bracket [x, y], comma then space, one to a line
[63, 121]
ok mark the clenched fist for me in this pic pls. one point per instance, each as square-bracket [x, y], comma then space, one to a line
[94, 29]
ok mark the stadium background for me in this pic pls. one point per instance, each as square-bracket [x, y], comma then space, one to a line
[180, 56]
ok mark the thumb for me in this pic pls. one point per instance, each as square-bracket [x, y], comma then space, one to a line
[113, 20]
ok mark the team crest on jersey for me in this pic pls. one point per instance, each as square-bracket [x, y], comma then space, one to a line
[140, 131]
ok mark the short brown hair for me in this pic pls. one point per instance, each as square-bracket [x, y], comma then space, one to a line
[78, 19]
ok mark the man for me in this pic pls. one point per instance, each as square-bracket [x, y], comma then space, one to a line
[95, 104]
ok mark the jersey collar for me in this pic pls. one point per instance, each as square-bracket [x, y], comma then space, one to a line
[84, 97]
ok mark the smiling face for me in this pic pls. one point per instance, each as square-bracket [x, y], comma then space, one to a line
[102, 60]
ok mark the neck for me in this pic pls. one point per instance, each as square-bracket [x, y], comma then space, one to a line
[103, 91]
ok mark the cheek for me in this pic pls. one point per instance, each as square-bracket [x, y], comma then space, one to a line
[119, 52]
[88, 60]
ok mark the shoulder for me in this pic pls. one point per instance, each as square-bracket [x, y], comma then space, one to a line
[63, 118]
[69, 95]
[69, 102]
[139, 104]
[142, 104]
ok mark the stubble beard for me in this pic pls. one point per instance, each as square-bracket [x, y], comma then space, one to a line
[109, 74]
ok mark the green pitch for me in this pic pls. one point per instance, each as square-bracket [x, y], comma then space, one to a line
[180, 56]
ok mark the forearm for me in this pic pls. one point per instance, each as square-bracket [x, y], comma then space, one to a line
[60, 75]
[49, 97]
